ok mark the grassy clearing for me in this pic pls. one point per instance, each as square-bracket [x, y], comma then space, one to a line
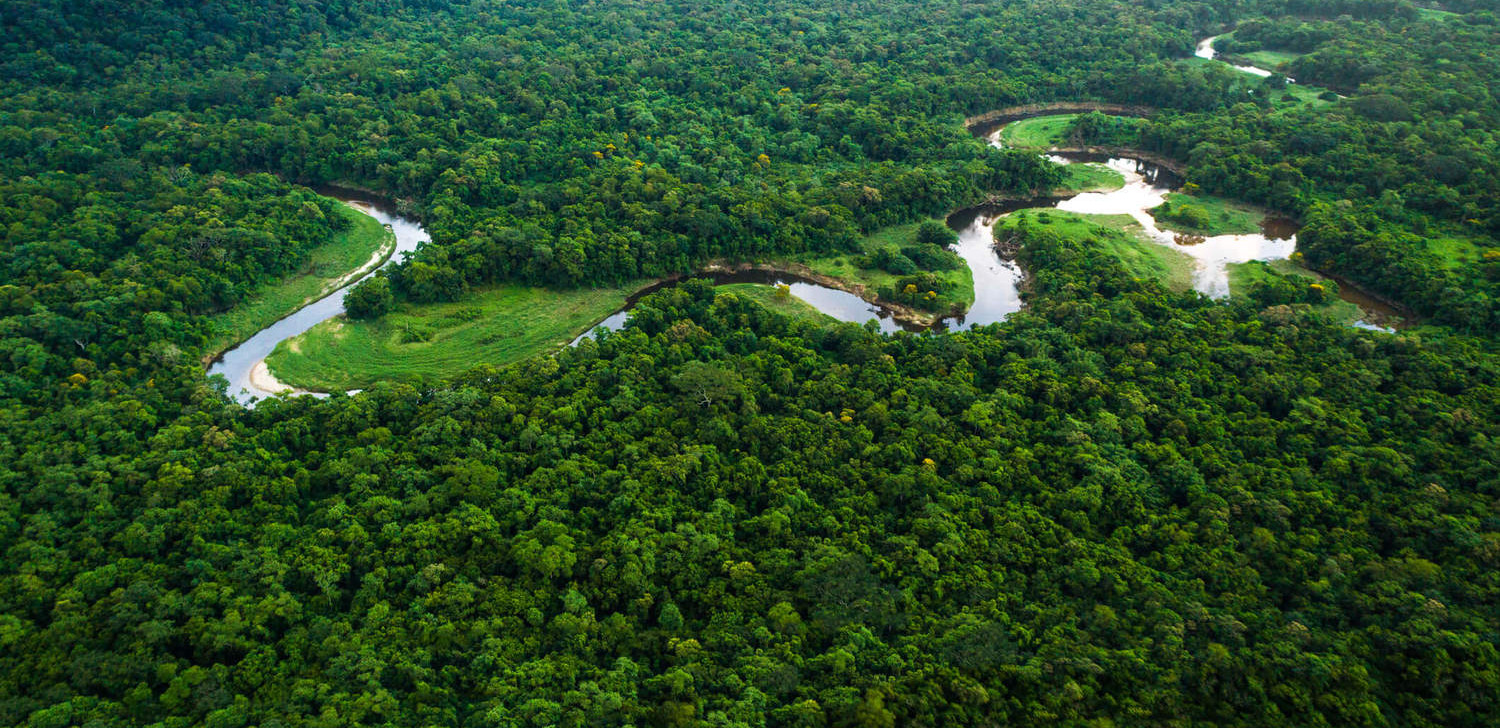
[1202, 214]
[1296, 96]
[348, 251]
[769, 297]
[1244, 275]
[1458, 254]
[1120, 236]
[1269, 60]
[959, 282]
[497, 325]
[1089, 177]
[1435, 14]
[1039, 132]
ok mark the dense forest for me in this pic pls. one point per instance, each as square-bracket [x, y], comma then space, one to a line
[1121, 506]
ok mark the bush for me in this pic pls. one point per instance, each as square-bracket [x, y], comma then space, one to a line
[930, 257]
[923, 290]
[932, 232]
[370, 299]
[1189, 216]
[889, 261]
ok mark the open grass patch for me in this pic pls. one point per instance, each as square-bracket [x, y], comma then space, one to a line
[1040, 132]
[1300, 96]
[496, 325]
[1456, 253]
[1088, 177]
[1119, 236]
[1269, 59]
[1201, 214]
[956, 283]
[328, 264]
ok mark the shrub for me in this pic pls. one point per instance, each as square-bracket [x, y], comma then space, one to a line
[370, 299]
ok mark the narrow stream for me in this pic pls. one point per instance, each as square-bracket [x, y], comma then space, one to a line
[244, 365]
[1206, 50]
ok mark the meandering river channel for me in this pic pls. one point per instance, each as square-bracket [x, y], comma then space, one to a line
[997, 280]
[245, 365]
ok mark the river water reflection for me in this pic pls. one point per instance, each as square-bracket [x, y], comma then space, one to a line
[997, 281]
[244, 365]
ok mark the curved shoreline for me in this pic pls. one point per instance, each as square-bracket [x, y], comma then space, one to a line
[899, 311]
[262, 378]
[377, 259]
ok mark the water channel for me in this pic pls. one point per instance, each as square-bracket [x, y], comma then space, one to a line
[996, 280]
[244, 365]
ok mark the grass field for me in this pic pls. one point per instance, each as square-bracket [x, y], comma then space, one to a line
[1211, 216]
[1269, 60]
[329, 263]
[496, 325]
[1120, 236]
[767, 296]
[1089, 177]
[1039, 132]
[845, 268]
[1297, 95]
[1457, 253]
[1244, 275]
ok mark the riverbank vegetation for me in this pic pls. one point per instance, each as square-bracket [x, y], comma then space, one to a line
[1088, 177]
[1118, 236]
[360, 246]
[496, 325]
[1282, 282]
[891, 259]
[1123, 505]
[1208, 215]
[778, 299]
[1042, 132]
[1382, 178]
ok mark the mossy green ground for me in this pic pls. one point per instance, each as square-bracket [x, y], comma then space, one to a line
[1039, 132]
[1269, 59]
[1120, 236]
[1219, 216]
[844, 267]
[496, 325]
[1244, 275]
[347, 251]
[769, 297]
[1088, 177]
[1456, 253]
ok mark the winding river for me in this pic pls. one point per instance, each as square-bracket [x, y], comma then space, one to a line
[245, 365]
[1206, 50]
[996, 279]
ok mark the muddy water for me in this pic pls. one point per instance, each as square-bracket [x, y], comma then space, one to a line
[239, 365]
[1378, 315]
[996, 280]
